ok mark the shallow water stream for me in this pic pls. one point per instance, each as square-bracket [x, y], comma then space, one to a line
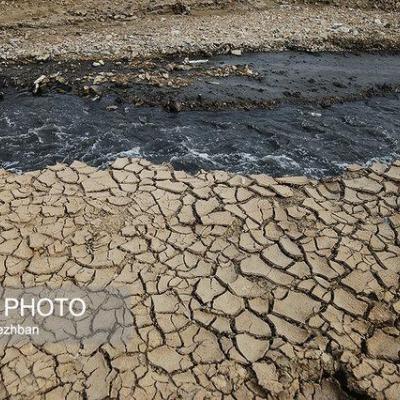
[292, 139]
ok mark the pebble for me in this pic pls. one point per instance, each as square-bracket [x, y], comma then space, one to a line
[236, 52]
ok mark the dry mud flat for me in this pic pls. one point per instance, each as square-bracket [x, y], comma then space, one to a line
[238, 287]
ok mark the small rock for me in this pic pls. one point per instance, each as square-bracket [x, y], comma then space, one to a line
[98, 63]
[236, 52]
[181, 8]
[174, 106]
[92, 90]
[43, 57]
[344, 29]
[197, 61]
[338, 27]
[112, 108]
[39, 83]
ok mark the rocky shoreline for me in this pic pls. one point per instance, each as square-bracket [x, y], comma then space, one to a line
[243, 286]
[273, 27]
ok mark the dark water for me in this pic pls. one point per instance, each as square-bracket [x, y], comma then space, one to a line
[289, 75]
[40, 131]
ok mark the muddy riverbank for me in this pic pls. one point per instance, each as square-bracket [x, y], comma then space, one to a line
[252, 80]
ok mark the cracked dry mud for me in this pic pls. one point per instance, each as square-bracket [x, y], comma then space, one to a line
[241, 287]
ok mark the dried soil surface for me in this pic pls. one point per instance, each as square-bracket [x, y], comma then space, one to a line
[238, 287]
